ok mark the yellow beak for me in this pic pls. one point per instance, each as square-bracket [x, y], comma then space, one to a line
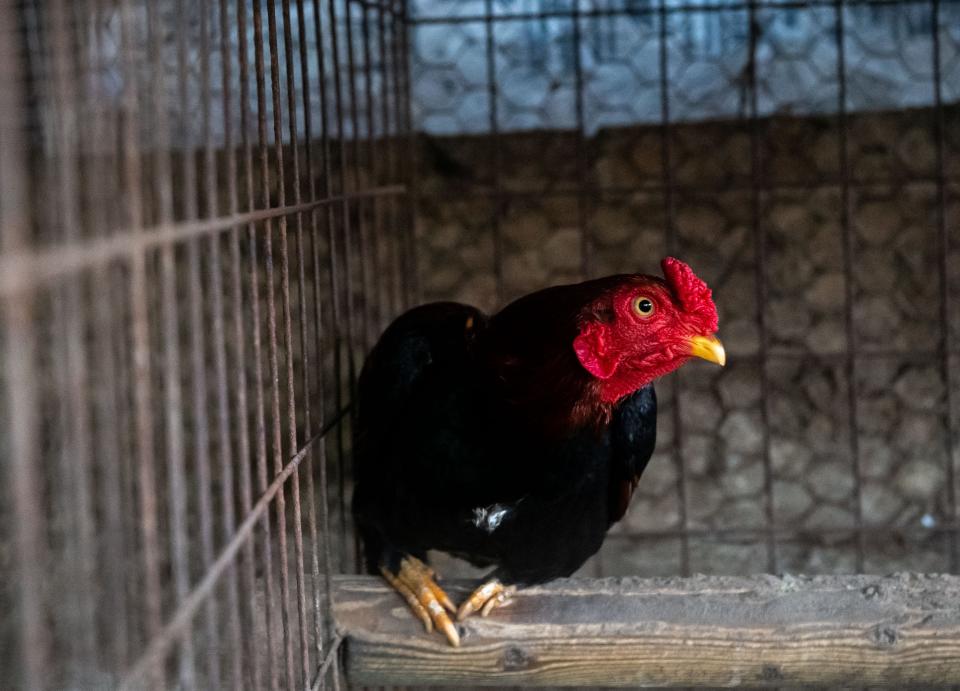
[709, 348]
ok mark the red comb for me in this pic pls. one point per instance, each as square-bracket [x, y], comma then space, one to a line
[693, 294]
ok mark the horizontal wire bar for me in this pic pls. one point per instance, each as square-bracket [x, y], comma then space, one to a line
[30, 269]
[946, 527]
[768, 186]
[167, 638]
[384, 7]
[864, 352]
[683, 9]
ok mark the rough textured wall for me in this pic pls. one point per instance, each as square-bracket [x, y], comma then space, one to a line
[893, 223]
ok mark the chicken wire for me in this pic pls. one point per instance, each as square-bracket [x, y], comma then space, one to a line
[803, 157]
[206, 217]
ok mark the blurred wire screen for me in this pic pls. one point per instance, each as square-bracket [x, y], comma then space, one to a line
[206, 218]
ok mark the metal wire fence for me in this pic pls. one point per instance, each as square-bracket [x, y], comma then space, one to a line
[208, 214]
[206, 217]
[804, 157]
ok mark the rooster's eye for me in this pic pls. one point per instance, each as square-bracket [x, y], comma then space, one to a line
[643, 306]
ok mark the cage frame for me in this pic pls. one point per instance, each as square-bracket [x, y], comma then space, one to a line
[359, 195]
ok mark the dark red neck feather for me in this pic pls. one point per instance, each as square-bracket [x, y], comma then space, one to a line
[528, 350]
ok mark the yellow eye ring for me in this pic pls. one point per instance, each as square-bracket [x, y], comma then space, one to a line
[643, 306]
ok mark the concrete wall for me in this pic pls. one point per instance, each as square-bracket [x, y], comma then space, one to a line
[895, 315]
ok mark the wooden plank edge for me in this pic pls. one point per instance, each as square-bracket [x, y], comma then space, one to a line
[893, 630]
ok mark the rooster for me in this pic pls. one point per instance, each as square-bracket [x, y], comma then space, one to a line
[515, 441]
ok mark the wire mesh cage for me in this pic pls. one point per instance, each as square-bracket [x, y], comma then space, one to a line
[206, 218]
[802, 156]
[209, 211]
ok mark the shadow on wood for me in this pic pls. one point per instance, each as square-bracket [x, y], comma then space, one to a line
[710, 631]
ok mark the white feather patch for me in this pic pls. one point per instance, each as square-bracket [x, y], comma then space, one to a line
[489, 518]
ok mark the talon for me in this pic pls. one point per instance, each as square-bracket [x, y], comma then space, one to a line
[426, 599]
[499, 600]
[485, 599]
[426, 573]
[418, 610]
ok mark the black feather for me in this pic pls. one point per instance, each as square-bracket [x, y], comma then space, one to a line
[445, 462]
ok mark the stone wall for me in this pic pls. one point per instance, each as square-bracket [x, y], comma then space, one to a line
[550, 185]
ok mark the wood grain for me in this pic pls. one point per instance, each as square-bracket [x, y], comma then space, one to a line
[707, 631]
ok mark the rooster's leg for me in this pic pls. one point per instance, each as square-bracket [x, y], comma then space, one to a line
[484, 599]
[414, 581]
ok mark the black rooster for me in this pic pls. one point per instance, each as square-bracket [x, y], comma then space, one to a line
[515, 441]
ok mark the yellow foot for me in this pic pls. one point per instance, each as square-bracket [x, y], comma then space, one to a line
[485, 598]
[415, 583]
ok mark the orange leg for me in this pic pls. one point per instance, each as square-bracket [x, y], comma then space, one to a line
[429, 603]
[484, 599]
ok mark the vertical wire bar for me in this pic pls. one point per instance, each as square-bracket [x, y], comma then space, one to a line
[140, 334]
[62, 542]
[259, 402]
[248, 581]
[582, 196]
[161, 177]
[122, 347]
[495, 151]
[71, 315]
[850, 361]
[197, 347]
[272, 347]
[160, 126]
[175, 451]
[305, 346]
[586, 247]
[377, 300]
[333, 264]
[78, 474]
[29, 528]
[666, 162]
[215, 273]
[114, 546]
[180, 550]
[397, 170]
[327, 212]
[347, 263]
[201, 429]
[332, 257]
[387, 171]
[943, 237]
[761, 290]
[361, 246]
[107, 405]
[356, 160]
[411, 176]
[285, 292]
[21, 371]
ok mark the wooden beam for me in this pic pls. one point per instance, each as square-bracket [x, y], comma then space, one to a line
[701, 631]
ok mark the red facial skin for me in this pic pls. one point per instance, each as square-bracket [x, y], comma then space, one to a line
[561, 358]
[625, 350]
